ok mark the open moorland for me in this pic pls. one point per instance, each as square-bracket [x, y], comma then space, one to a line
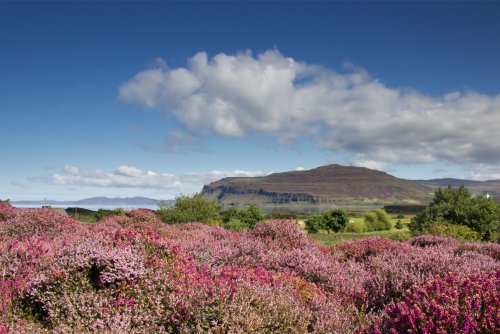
[135, 274]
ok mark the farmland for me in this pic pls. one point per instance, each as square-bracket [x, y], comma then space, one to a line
[135, 274]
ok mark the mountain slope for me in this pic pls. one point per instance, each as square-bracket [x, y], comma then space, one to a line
[326, 185]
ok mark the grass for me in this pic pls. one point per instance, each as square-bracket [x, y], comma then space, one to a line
[83, 215]
[335, 238]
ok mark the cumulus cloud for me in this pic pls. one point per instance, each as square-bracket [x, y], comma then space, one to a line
[236, 95]
[484, 172]
[132, 177]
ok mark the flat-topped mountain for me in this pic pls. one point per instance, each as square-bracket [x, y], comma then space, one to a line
[323, 186]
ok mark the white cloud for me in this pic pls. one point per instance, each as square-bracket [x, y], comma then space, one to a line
[236, 95]
[482, 172]
[72, 170]
[132, 177]
[361, 161]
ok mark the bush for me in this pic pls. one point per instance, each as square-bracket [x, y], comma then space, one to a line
[334, 220]
[356, 226]
[194, 208]
[377, 221]
[459, 232]
[248, 217]
[235, 225]
[314, 223]
[399, 225]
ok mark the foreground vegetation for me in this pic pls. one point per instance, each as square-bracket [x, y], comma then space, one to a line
[133, 273]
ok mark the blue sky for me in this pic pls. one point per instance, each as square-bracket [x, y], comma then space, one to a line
[158, 98]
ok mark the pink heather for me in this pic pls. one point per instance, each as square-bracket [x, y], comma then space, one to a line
[135, 274]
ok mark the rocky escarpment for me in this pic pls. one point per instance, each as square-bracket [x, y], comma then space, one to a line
[223, 191]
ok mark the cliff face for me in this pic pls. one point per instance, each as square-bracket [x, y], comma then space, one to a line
[223, 191]
[327, 184]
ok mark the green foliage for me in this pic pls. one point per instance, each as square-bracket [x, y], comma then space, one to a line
[399, 225]
[383, 218]
[456, 206]
[314, 223]
[248, 217]
[7, 201]
[253, 216]
[194, 208]
[356, 226]
[235, 225]
[459, 232]
[101, 213]
[335, 220]
[377, 221]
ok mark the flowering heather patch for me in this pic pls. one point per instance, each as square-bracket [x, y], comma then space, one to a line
[135, 274]
[362, 250]
[394, 273]
[487, 248]
[273, 250]
[452, 304]
[284, 234]
[20, 223]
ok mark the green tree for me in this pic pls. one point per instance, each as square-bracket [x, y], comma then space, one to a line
[194, 208]
[384, 219]
[7, 201]
[248, 217]
[377, 221]
[456, 206]
[253, 216]
[314, 223]
[335, 220]
[399, 225]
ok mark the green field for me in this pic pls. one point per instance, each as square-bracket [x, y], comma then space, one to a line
[329, 239]
[335, 238]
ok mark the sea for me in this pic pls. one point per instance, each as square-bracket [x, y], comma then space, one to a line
[90, 207]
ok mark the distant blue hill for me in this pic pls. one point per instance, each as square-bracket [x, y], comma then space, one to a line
[105, 201]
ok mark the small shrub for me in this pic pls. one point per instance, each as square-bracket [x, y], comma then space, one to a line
[399, 225]
[235, 225]
[335, 220]
[314, 223]
[459, 232]
[356, 226]
[377, 221]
